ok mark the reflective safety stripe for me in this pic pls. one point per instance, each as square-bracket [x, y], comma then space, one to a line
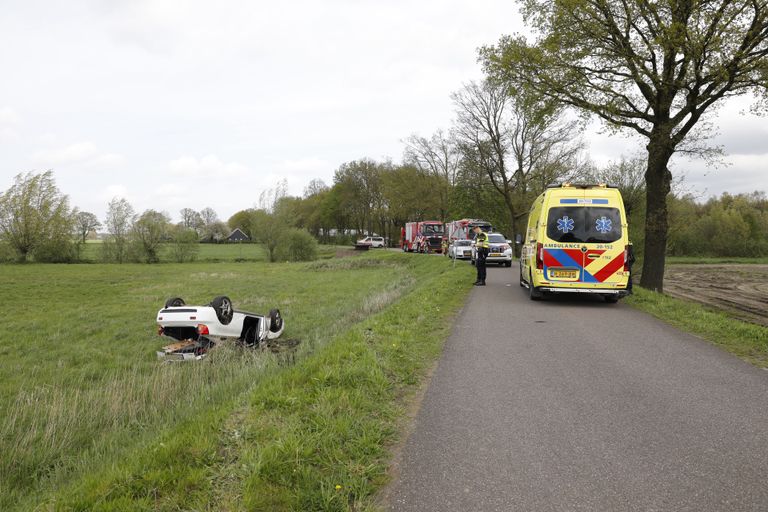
[482, 240]
[575, 259]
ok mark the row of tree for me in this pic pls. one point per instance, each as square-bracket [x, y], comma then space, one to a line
[36, 221]
[731, 225]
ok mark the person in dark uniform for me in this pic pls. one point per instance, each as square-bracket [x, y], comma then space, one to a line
[481, 246]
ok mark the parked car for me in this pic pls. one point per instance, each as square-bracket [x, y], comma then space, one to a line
[373, 241]
[460, 249]
[197, 329]
[500, 250]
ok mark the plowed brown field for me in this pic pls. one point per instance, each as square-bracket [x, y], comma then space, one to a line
[741, 290]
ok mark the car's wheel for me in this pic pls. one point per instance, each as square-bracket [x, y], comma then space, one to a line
[471, 260]
[508, 264]
[533, 293]
[175, 302]
[223, 307]
[611, 299]
[275, 320]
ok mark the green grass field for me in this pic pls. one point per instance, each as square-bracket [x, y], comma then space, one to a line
[91, 421]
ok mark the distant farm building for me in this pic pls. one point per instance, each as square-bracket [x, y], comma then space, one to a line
[238, 236]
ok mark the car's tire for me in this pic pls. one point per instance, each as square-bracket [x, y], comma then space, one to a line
[175, 302]
[611, 299]
[472, 261]
[533, 293]
[521, 277]
[275, 320]
[508, 264]
[224, 310]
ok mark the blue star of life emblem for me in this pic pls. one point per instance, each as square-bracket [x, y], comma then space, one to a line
[603, 224]
[565, 224]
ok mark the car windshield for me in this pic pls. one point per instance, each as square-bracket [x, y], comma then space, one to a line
[496, 239]
[432, 229]
[584, 224]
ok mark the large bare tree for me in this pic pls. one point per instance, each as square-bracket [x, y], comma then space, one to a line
[655, 68]
[521, 142]
[440, 156]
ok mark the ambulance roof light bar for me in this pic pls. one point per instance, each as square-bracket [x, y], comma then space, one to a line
[568, 184]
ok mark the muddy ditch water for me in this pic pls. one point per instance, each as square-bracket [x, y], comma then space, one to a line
[739, 289]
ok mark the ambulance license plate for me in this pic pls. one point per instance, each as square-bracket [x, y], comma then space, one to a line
[564, 274]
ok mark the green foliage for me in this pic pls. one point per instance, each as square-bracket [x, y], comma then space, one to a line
[120, 218]
[184, 245]
[85, 224]
[7, 253]
[147, 233]
[35, 218]
[296, 245]
[245, 220]
[728, 226]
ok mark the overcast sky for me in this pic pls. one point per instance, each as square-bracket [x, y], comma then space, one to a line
[184, 103]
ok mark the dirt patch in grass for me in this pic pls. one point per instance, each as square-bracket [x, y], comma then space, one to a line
[739, 290]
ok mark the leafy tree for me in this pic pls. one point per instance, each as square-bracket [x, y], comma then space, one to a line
[296, 245]
[360, 186]
[85, 222]
[185, 244]
[120, 217]
[244, 219]
[268, 229]
[731, 225]
[148, 232]
[409, 194]
[655, 68]
[34, 212]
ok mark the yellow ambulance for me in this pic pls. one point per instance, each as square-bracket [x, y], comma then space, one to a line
[577, 242]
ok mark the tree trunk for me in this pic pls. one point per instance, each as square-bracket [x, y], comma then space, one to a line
[658, 181]
[511, 208]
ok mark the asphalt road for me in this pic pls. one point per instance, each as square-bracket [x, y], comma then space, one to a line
[580, 405]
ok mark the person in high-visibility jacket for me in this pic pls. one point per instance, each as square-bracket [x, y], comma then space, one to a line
[481, 250]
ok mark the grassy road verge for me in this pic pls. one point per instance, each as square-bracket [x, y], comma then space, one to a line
[746, 340]
[235, 433]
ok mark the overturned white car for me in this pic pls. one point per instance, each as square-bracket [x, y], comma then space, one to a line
[197, 329]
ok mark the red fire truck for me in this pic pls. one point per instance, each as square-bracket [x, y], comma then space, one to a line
[462, 229]
[425, 236]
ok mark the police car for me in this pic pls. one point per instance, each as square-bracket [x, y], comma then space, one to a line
[499, 250]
